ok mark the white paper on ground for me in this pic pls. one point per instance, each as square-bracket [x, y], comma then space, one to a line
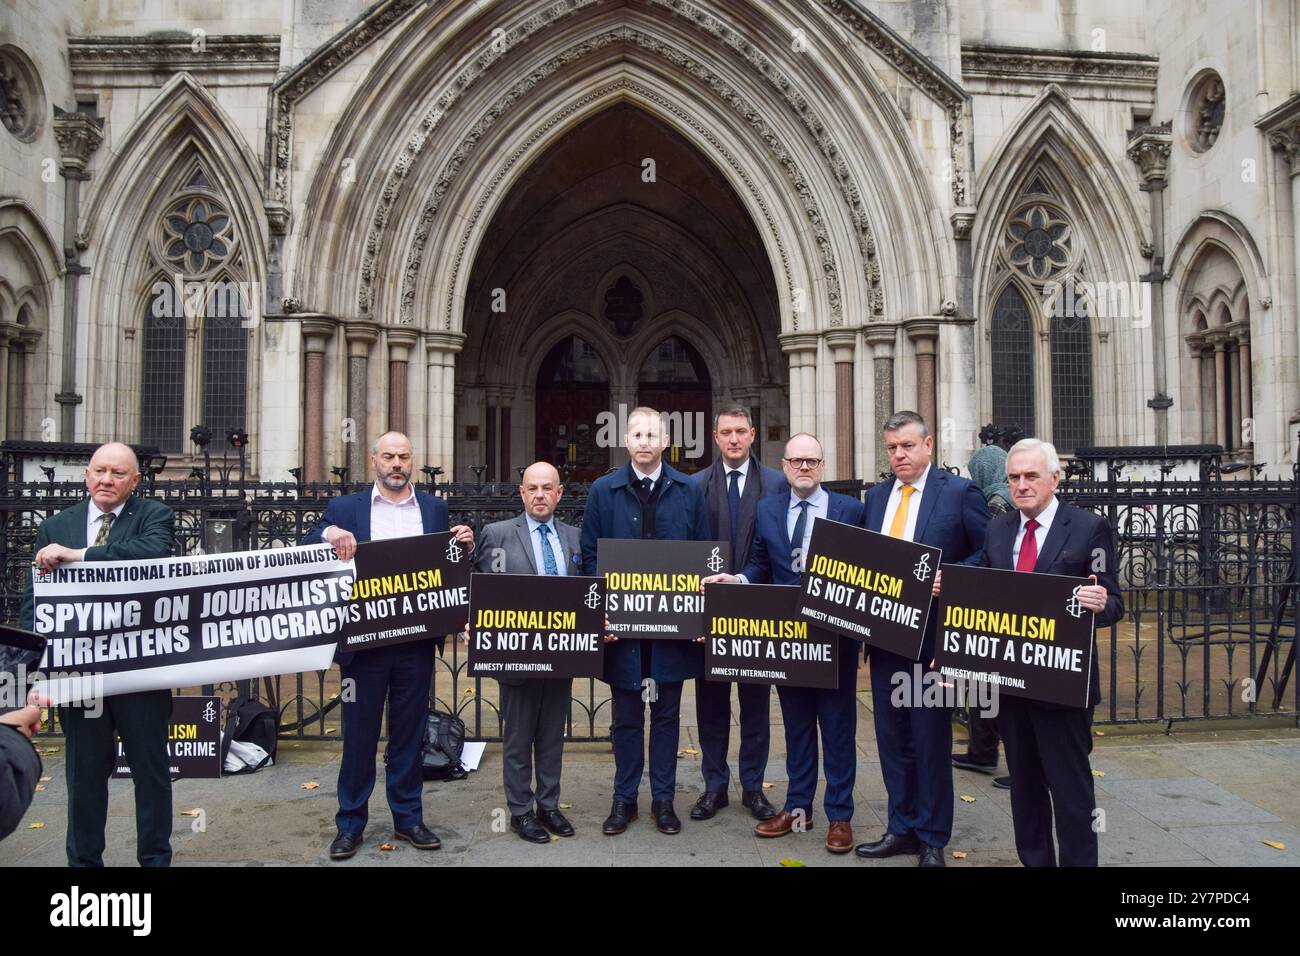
[472, 754]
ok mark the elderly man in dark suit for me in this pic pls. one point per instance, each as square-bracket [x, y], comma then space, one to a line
[391, 508]
[112, 525]
[533, 709]
[930, 506]
[783, 530]
[732, 487]
[645, 499]
[1048, 745]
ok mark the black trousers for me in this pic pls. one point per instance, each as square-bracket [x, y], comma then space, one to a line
[983, 746]
[1047, 753]
[141, 720]
[713, 714]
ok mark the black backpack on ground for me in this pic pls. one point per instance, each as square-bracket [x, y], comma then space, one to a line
[252, 722]
[444, 741]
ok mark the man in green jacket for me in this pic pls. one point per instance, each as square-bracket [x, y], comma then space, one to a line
[112, 525]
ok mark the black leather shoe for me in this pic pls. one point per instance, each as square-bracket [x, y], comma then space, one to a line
[556, 822]
[530, 828]
[708, 805]
[889, 845]
[967, 762]
[620, 815]
[419, 836]
[345, 845]
[931, 856]
[756, 804]
[1002, 783]
[665, 819]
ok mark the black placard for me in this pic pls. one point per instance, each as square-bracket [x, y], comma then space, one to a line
[755, 635]
[408, 589]
[652, 588]
[868, 586]
[1025, 633]
[193, 739]
[535, 625]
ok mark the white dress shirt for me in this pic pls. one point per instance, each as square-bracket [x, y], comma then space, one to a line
[93, 518]
[394, 519]
[1040, 533]
[653, 476]
[553, 538]
[913, 505]
[818, 502]
[740, 482]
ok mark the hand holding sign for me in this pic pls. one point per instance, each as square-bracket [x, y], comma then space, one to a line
[345, 542]
[464, 534]
[52, 555]
[938, 577]
[1092, 597]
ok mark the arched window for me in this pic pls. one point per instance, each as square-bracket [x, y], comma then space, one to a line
[1012, 347]
[194, 348]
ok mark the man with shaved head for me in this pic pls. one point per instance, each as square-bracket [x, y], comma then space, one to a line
[390, 508]
[533, 709]
[112, 524]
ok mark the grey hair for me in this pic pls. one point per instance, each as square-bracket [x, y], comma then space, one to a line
[374, 445]
[902, 419]
[1036, 444]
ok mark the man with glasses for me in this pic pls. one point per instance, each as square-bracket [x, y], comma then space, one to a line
[782, 531]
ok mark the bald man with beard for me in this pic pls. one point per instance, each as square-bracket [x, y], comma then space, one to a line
[112, 524]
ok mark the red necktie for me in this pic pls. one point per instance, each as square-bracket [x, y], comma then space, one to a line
[1028, 548]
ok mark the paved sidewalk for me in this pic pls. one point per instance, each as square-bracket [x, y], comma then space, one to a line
[1190, 799]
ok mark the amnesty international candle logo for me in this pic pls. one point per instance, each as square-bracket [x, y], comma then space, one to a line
[868, 586]
[715, 562]
[529, 625]
[406, 589]
[209, 711]
[1025, 633]
[756, 636]
[652, 588]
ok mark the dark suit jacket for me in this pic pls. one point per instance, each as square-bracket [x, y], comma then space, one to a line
[512, 541]
[144, 529]
[1079, 543]
[614, 511]
[352, 513]
[759, 483]
[953, 517]
[770, 557]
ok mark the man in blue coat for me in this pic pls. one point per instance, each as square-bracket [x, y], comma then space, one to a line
[732, 487]
[782, 532]
[1048, 744]
[645, 499]
[931, 506]
[391, 508]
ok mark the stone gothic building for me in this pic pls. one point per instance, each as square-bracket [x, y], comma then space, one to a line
[494, 224]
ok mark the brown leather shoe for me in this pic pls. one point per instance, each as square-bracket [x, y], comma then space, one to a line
[781, 824]
[839, 838]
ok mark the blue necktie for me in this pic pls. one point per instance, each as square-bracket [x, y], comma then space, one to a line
[796, 539]
[548, 556]
[733, 508]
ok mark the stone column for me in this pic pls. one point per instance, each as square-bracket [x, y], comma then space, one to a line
[317, 330]
[923, 333]
[841, 343]
[78, 135]
[801, 350]
[1148, 147]
[1245, 404]
[1220, 393]
[880, 339]
[400, 342]
[440, 421]
[360, 336]
[5, 331]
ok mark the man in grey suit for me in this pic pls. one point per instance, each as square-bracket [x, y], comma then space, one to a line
[533, 709]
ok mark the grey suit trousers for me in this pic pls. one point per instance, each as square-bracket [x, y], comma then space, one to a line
[533, 716]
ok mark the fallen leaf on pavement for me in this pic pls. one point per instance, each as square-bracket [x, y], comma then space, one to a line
[312, 785]
[469, 692]
[959, 854]
[1099, 773]
[40, 787]
[386, 847]
[36, 826]
[1101, 733]
[688, 752]
[46, 751]
[566, 806]
[768, 786]
[1275, 844]
[790, 861]
[191, 813]
[330, 730]
[967, 798]
[43, 779]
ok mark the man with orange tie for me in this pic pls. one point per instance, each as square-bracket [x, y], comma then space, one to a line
[1048, 744]
[935, 507]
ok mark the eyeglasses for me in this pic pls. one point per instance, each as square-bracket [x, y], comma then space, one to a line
[801, 463]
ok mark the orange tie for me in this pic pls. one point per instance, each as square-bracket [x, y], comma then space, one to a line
[900, 516]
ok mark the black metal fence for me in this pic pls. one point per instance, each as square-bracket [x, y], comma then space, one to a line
[1208, 569]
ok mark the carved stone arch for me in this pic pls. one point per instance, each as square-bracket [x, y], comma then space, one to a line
[152, 164]
[526, 359]
[1217, 229]
[689, 328]
[20, 225]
